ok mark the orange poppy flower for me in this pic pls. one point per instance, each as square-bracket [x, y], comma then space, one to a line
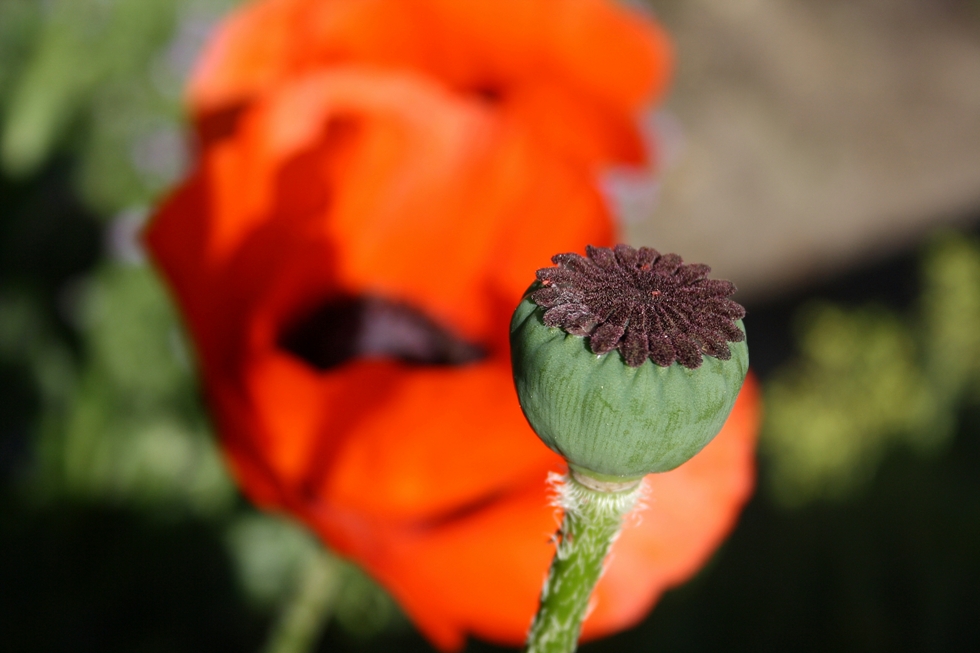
[376, 184]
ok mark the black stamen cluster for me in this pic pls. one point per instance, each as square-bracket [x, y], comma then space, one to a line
[641, 302]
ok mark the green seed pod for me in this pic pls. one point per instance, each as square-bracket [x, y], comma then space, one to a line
[658, 400]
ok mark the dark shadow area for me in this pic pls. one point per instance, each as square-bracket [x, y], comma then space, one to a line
[47, 240]
[46, 237]
[96, 579]
[346, 328]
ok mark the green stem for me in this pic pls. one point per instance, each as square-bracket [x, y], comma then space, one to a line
[594, 513]
[305, 616]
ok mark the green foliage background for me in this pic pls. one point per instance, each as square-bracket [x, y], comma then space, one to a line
[119, 526]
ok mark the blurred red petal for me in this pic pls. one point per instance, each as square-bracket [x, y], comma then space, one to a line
[588, 61]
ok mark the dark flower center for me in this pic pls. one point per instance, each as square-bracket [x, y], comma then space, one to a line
[490, 92]
[641, 302]
[350, 327]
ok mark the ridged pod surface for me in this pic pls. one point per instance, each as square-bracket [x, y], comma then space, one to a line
[611, 420]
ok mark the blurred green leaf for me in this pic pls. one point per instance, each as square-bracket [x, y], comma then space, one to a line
[831, 414]
[103, 78]
[20, 21]
[867, 379]
[271, 552]
[83, 43]
[133, 432]
[950, 315]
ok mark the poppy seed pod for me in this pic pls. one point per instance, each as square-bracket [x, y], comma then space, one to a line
[663, 396]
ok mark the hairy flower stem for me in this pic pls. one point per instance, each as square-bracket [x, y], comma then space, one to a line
[593, 517]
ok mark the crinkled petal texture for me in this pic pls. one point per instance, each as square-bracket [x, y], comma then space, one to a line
[416, 151]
